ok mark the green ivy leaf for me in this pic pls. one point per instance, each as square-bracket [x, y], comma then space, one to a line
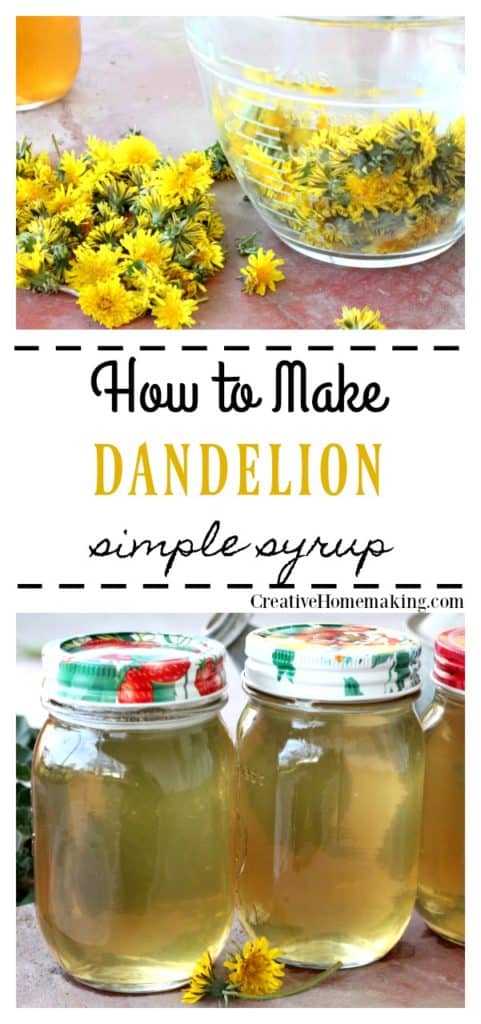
[25, 737]
[23, 731]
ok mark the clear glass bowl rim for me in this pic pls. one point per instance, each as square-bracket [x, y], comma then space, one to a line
[414, 21]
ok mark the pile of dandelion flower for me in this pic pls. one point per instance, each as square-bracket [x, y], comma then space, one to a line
[128, 231]
[253, 973]
[383, 185]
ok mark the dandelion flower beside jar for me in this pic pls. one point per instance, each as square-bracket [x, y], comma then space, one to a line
[255, 969]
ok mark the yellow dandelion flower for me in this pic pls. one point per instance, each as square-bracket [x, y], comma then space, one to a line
[100, 150]
[28, 263]
[178, 182]
[172, 311]
[91, 266]
[199, 162]
[260, 166]
[107, 231]
[136, 149]
[109, 303]
[213, 224]
[185, 280]
[29, 190]
[256, 970]
[354, 319]
[208, 254]
[262, 272]
[72, 167]
[63, 199]
[458, 131]
[149, 283]
[201, 981]
[375, 191]
[79, 213]
[146, 246]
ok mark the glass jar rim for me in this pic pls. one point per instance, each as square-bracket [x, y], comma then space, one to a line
[304, 704]
[459, 696]
[414, 21]
[131, 717]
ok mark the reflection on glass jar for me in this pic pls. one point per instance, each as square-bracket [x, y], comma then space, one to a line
[441, 861]
[133, 815]
[331, 771]
[346, 134]
[48, 58]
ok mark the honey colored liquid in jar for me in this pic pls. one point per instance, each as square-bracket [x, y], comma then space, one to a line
[330, 804]
[441, 861]
[133, 850]
[48, 58]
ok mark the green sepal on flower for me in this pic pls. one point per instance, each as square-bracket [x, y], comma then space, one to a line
[220, 165]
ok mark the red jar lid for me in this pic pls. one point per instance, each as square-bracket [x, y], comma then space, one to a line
[448, 666]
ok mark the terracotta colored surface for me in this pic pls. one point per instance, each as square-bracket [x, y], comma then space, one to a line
[137, 72]
[421, 971]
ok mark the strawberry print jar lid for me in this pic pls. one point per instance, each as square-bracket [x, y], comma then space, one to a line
[449, 658]
[325, 662]
[142, 669]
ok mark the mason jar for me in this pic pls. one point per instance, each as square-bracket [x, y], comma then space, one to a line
[331, 773]
[441, 861]
[132, 801]
[346, 133]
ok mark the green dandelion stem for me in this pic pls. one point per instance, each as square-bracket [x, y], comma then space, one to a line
[56, 146]
[318, 979]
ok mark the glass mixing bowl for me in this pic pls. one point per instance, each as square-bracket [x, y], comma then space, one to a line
[346, 134]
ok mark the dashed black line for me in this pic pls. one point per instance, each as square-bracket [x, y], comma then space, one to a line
[242, 586]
